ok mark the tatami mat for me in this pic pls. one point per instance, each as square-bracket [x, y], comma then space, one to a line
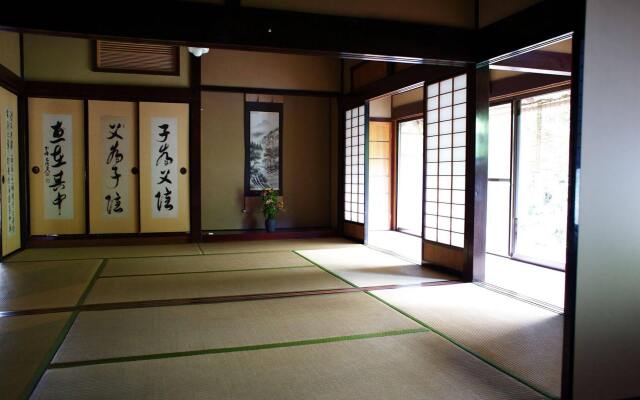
[275, 245]
[120, 333]
[44, 284]
[524, 339]
[363, 266]
[214, 262]
[74, 253]
[160, 287]
[24, 344]
[410, 366]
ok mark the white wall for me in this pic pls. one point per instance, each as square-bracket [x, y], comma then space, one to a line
[607, 334]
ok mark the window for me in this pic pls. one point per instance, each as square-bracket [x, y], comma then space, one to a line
[354, 165]
[446, 111]
[499, 179]
[543, 179]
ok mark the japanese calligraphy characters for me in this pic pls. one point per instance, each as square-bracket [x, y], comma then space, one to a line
[9, 196]
[57, 150]
[164, 167]
[116, 136]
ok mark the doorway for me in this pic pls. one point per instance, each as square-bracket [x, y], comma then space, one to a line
[528, 175]
[395, 173]
[409, 176]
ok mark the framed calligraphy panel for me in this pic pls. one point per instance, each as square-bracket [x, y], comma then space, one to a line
[9, 172]
[57, 174]
[164, 166]
[113, 167]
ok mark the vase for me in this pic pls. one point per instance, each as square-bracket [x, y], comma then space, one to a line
[270, 224]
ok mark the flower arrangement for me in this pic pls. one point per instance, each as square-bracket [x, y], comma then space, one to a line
[270, 203]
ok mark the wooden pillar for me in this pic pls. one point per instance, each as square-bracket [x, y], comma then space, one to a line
[477, 156]
[195, 182]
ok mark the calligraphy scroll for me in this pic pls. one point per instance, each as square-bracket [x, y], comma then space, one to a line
[56, 166]
[9, 165]
[10, 168]
[164, 167]
[57, 153]
[115, 188]
[113, 162]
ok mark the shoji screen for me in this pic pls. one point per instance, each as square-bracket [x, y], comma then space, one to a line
[446, 112]
[354, 165]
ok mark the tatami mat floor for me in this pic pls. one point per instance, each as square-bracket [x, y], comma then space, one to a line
[303, 321]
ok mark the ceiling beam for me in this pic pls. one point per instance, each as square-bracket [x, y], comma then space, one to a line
[209, 25]
[528, 70]
[524, 85]
[537, 61]
[537, 24]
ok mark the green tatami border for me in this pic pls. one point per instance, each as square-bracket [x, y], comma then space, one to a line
[442, 335]
[221, 350]
[46, 362]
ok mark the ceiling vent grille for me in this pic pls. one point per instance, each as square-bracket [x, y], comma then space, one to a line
[140, 58]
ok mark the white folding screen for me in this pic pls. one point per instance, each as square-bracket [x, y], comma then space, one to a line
[354, 165]
[446, 112]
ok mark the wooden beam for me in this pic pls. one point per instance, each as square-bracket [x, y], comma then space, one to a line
[408, 110]
[107, 92]
[10, 81]
[536, 24]
[554, 63]
[208, 25]
[526, 85]
[277, 92]
[400, 80]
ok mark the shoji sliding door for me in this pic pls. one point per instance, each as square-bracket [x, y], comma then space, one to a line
[10, 192]
[113, 167]
[356, 120]
[56, 165]
[164, 166]
[445, 171]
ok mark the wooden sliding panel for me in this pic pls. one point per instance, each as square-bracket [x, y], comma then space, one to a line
[164, 166]
[113, 167]
[9, 172]
[56, 166]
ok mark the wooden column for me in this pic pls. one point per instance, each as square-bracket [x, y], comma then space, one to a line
[477, 156]
[195, 182]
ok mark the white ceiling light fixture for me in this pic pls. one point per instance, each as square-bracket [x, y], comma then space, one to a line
[198, 51]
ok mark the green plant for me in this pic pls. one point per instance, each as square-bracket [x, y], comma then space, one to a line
[270, 203]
